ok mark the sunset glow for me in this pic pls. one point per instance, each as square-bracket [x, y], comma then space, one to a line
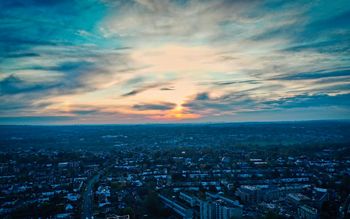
[141, 61]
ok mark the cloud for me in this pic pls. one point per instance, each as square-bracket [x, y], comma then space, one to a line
[157, 106]
[238, 103]
[15, 85]
[22, 55]
[75, 77]
[135, 81]
[167, 88]
[60, 78]
[84, 111]
[316, 75]
[173, 19]
[305, 101]
[21, 106]
[224, 83]
[202, 96]
[142, 89]
[202, 103]
[79, 75]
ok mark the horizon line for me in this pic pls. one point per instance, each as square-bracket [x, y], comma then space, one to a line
[183, 123]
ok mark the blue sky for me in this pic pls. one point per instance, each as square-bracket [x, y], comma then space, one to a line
[149, 61]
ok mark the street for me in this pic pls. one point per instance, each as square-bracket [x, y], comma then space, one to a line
[88, 198]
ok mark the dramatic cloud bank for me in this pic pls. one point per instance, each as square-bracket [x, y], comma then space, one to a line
[140, 61]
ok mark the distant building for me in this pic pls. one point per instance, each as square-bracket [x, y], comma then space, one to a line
[257, 194]
[118, 217]
[191, 200]
[307, 212]
[344, 209]
[207, 210]
[296, 198]
[186, 213]
[319, 196]
[219, 207]
[62, 164]
[251, 194]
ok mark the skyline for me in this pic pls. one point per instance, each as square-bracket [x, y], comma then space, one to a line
[116, 62]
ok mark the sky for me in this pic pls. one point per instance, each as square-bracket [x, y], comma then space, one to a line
[162, 61]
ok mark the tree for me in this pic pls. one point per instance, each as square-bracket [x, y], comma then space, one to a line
[153, 203]
[129, 211]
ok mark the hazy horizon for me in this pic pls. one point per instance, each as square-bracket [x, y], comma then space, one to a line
[30, 123]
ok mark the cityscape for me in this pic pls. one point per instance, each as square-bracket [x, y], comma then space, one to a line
[260, 170]
[174, 109]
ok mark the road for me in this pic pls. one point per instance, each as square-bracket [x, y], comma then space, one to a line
[88, 198]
